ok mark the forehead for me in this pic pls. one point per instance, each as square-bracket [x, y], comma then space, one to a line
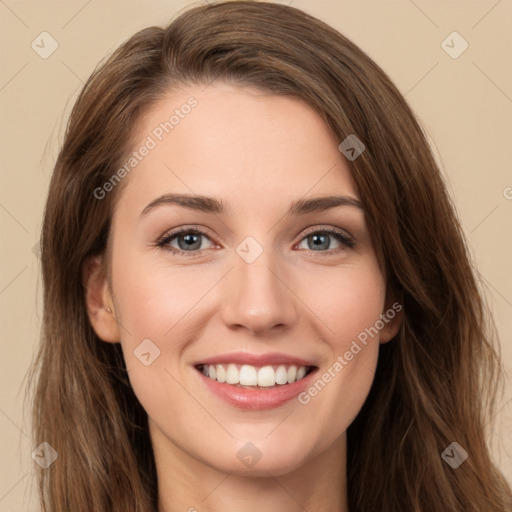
[239, 144]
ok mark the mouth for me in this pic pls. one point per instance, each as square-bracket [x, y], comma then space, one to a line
[255, 381]
[247, 376]
[255, 388]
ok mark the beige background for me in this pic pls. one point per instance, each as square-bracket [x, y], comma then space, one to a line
[465, 105]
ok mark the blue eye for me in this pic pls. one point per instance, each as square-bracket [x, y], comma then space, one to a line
[320, 239]
[189, 241]
[190, 244]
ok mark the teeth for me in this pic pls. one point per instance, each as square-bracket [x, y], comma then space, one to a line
[292, 374]
[282, 375]
[301, 372]
[247, 375]
[221, 373]
[232, 374]
[266, 376]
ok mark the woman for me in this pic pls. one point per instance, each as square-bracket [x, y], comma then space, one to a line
[277, 307]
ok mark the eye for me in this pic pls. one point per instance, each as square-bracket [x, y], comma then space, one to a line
[189, 241]
[320, 240]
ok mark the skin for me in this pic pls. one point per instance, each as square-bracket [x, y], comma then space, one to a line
[257, 153]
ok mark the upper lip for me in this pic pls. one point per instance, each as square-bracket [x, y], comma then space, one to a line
[272, 358]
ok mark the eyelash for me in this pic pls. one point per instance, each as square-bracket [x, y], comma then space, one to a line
[168, 237]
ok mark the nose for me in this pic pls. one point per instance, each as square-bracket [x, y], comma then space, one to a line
[257, 297]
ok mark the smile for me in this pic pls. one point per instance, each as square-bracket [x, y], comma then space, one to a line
[255, 382]
[252, 376]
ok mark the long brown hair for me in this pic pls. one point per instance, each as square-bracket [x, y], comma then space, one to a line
[436, 382]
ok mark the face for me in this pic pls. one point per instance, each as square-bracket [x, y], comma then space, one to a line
[268, 296]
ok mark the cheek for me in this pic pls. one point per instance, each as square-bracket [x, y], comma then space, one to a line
[349, 306]
[156, 303]
[153, 299]
[348, 300]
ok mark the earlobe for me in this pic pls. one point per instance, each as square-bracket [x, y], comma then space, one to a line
[392, 319]
[98, 300]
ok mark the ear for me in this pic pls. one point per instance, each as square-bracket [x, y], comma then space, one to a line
[98, 299]
[392, 319]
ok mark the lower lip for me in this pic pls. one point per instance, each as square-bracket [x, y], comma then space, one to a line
[257, 399]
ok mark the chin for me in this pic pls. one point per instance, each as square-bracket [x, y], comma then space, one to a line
[259, 457]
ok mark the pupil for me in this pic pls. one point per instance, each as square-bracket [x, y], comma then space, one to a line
[190, 240]
[316, 239]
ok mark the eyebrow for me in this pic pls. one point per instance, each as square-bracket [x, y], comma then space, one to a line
[212, 205]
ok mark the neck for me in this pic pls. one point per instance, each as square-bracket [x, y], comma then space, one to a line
[188, 484]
